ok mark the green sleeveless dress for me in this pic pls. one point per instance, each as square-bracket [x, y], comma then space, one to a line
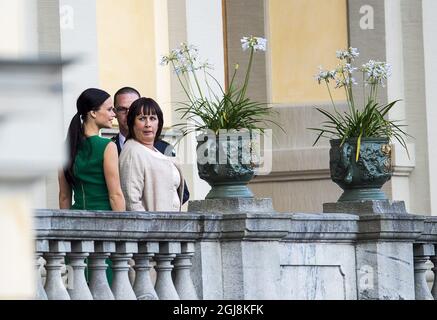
[90, 191]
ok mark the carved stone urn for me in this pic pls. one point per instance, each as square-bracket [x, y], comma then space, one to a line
[225, 161]
[362, 179]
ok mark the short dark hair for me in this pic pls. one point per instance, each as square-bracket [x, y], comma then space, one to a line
[144, 106]
[125, 90]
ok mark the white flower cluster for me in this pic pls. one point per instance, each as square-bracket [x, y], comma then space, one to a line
[348, 68]
[325, 75]
[349, 54]
[345, 82]
[344, 75]
[257, 43]
[184, 59]
[376, 72]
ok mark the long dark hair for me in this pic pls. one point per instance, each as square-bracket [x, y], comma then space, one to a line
[144, 106]
[89, 100]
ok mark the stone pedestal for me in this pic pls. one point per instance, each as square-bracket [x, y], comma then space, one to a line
[28, 90]
[384, 247]
[232, 205]
[366, 207]
[246, 257]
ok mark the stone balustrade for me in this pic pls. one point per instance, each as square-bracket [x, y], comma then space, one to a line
[425, 254]
[235, 249]
[131, 242]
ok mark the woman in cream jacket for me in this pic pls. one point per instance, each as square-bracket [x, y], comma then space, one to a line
[150, 180]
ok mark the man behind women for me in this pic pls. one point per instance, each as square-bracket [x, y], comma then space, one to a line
[123, 99]
[92, 168]
[150, 180]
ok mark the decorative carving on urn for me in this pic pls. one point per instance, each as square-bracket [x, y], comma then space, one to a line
[361, 179]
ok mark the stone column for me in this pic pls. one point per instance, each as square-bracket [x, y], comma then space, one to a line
[200, 23]
[429, 25]
[422, 252]
[247, 260]
[378, 29]
[54, 285]
[121, 286]
[26, 87]
[434, 270]
[182, 269]
[77, 285]
[251, 264]
[41, 247]
[384, 248]
[143, 286]
[207, 263]
[164, 283]
[98, 284]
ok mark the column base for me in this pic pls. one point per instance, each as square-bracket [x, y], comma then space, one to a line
[366, 207]
[232, 205]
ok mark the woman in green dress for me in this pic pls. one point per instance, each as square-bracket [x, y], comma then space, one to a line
[91, 176]
[91, 173]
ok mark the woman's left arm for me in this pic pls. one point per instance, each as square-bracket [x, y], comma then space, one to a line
[181, 188]
[112, 177]
[64, 191]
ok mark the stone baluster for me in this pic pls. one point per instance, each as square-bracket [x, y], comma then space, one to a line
[182, 269]
[143, 286]
[98, 282]
[422, 252]
[434, 270]
[131, 272]
[77, 286]
[121, 286]
[164, 284]
[42, 246]
[54, 286]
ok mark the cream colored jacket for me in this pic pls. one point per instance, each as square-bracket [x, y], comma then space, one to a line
[146, 180]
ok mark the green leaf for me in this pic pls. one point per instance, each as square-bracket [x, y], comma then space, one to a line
[358, 147]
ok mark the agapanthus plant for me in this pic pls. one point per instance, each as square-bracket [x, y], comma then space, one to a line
[209, 105]
[356, 123]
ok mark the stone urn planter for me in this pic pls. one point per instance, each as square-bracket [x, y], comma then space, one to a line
[362, 179]
[226, 162]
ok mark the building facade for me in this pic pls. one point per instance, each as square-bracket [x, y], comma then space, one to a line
[119, 43]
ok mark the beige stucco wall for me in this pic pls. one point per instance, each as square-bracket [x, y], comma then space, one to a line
[304, 34]
[18, 32]
[125, 34]
[126, 45]
[17, 276]
[132, 35]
